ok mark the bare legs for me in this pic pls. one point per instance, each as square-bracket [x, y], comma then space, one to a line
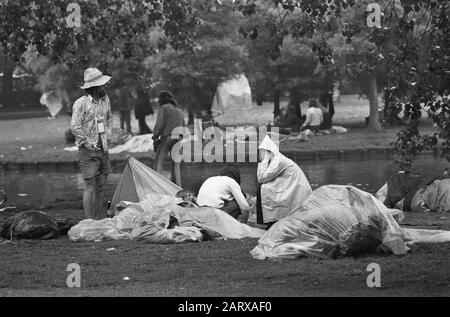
[93, 197]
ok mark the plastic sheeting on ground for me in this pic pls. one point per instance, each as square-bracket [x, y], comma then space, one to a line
[305, 135]
[341, 220]
[137, 144]
[335, 220]
[71, 148]
[215, 221]
[151, 221]
[426, 236]
[119, 137]
[137, 181]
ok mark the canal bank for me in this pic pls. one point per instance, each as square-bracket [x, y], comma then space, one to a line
[120, 161]
[30, 189]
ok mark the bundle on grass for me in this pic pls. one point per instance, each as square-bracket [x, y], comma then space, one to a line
[34, 225]
[411, 191]
[334, 221]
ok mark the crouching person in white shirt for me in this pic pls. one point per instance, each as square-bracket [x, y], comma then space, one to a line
[224, 192]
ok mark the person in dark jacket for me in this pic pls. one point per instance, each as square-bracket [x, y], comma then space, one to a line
[170, 117]
[124, 99]
[142, 109]
[288, 120]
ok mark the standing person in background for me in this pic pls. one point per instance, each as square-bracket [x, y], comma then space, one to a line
[124, 99]
[336, 92]
[288, 121]
[170, 116]
[92, 126]
[142, 109]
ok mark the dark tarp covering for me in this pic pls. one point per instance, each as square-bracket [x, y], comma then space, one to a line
[30, 225]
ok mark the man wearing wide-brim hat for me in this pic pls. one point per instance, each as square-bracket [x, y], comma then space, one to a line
[92, 127]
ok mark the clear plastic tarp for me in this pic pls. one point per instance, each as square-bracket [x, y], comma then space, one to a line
[139, 180]
[159, 219]
[335, 220]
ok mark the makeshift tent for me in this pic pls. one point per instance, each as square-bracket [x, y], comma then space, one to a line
[137, 181]
[232, 94]
[136, 144]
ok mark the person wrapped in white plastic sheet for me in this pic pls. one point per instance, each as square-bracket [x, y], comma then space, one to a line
[335, 220]
[284, 186]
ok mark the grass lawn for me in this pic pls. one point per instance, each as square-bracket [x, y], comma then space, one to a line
[218, 268]
[41, 139]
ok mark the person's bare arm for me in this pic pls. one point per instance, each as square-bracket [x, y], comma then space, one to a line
[308, 119]
[236, 191]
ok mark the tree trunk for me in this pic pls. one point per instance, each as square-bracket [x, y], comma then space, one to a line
[276, 103]
[374, 122]
[191, 115]
[295, 100]
[8, 80]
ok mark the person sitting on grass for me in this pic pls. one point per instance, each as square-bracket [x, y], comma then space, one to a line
[224, 192]
[314, 117]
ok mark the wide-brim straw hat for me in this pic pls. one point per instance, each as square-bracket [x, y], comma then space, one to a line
[94, 78]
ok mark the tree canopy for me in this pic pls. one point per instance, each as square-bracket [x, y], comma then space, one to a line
[105, 33]
[193, 74]
[401, 46]
[408, 40]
